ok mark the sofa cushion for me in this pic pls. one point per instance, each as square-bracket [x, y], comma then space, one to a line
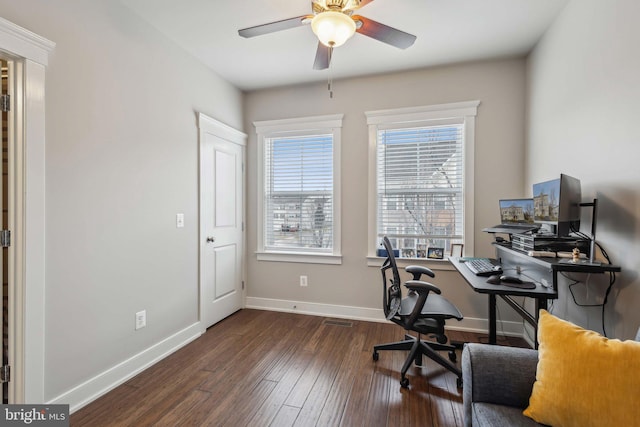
[582, 378]
[503, 375]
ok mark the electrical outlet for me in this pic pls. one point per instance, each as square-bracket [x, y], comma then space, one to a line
[303, 281]
[141, 319]
[179, 220]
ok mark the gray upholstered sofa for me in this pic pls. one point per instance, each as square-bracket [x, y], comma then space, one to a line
[497, 384]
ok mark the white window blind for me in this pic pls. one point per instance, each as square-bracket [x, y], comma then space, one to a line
[298, 204]
[420, 187]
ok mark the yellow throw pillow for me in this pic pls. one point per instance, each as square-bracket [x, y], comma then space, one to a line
[584, 379]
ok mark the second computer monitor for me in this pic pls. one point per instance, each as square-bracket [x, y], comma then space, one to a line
[557, 204]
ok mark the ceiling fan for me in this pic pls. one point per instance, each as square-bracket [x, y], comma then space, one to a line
[333, 22]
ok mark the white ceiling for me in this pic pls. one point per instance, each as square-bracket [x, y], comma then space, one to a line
[448, 31]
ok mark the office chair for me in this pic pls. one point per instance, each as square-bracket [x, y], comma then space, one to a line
[423, 311]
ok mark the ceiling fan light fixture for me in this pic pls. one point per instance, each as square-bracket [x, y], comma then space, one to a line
[333, 28]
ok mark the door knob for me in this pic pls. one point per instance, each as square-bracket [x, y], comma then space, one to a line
[211, 239]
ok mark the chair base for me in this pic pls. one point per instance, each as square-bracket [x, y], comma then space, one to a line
[417, 348]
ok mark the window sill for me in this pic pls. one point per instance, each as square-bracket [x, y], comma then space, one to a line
[437, 264]
[304, 258]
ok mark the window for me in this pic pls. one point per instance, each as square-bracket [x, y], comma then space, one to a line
[300, 189]
[420, 181]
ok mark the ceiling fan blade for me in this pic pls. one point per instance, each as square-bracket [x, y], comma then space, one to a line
[323, 57]
[272, 27]
[383, 33]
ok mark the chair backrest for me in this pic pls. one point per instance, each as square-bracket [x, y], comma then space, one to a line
[392, 294]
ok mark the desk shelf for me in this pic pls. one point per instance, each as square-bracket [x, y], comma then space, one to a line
[551, 265]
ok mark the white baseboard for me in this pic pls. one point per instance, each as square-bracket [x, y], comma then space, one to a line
[106, 381]
[468, 324]
[316, 309]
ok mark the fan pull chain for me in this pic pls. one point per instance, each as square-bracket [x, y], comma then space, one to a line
[330, 78]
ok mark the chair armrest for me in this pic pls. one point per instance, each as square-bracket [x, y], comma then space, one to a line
[421, 287]
[497, 374]
[419, 270]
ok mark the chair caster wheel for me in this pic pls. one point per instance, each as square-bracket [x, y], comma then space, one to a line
[459, 382]
[376, 356]
[404, 382]
[452, 356]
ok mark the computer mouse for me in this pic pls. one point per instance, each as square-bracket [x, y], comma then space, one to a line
[510, 279]
[494, 280]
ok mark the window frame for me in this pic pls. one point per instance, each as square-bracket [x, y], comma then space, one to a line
[430, 115]
[303, 126]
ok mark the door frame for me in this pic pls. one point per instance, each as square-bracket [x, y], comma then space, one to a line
[210, 125]
[30, 53]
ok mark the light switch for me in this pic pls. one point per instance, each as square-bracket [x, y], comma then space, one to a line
[179, 220]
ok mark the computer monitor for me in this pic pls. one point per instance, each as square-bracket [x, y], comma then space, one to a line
[557, 205]
[516, 211]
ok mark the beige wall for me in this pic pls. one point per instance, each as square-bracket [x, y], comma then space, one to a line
[121, 161]
[583, 96]
[499, 85]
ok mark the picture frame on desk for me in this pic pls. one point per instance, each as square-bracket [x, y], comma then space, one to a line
[456, 249]
[421, 251]
[435, 253]
[408, 253]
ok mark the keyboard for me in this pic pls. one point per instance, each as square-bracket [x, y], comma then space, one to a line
[483, 266]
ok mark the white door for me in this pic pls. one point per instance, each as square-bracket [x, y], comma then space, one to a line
[222, 152]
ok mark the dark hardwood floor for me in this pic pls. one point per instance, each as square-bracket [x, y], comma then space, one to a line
[262, 368]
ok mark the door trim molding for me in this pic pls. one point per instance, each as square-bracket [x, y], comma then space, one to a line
[31, 53]
[23, 43]
[211, 125]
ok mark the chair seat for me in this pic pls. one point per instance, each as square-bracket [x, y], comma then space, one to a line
[435, 306]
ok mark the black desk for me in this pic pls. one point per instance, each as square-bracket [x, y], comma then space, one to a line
[542, 271]
[479, 284]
